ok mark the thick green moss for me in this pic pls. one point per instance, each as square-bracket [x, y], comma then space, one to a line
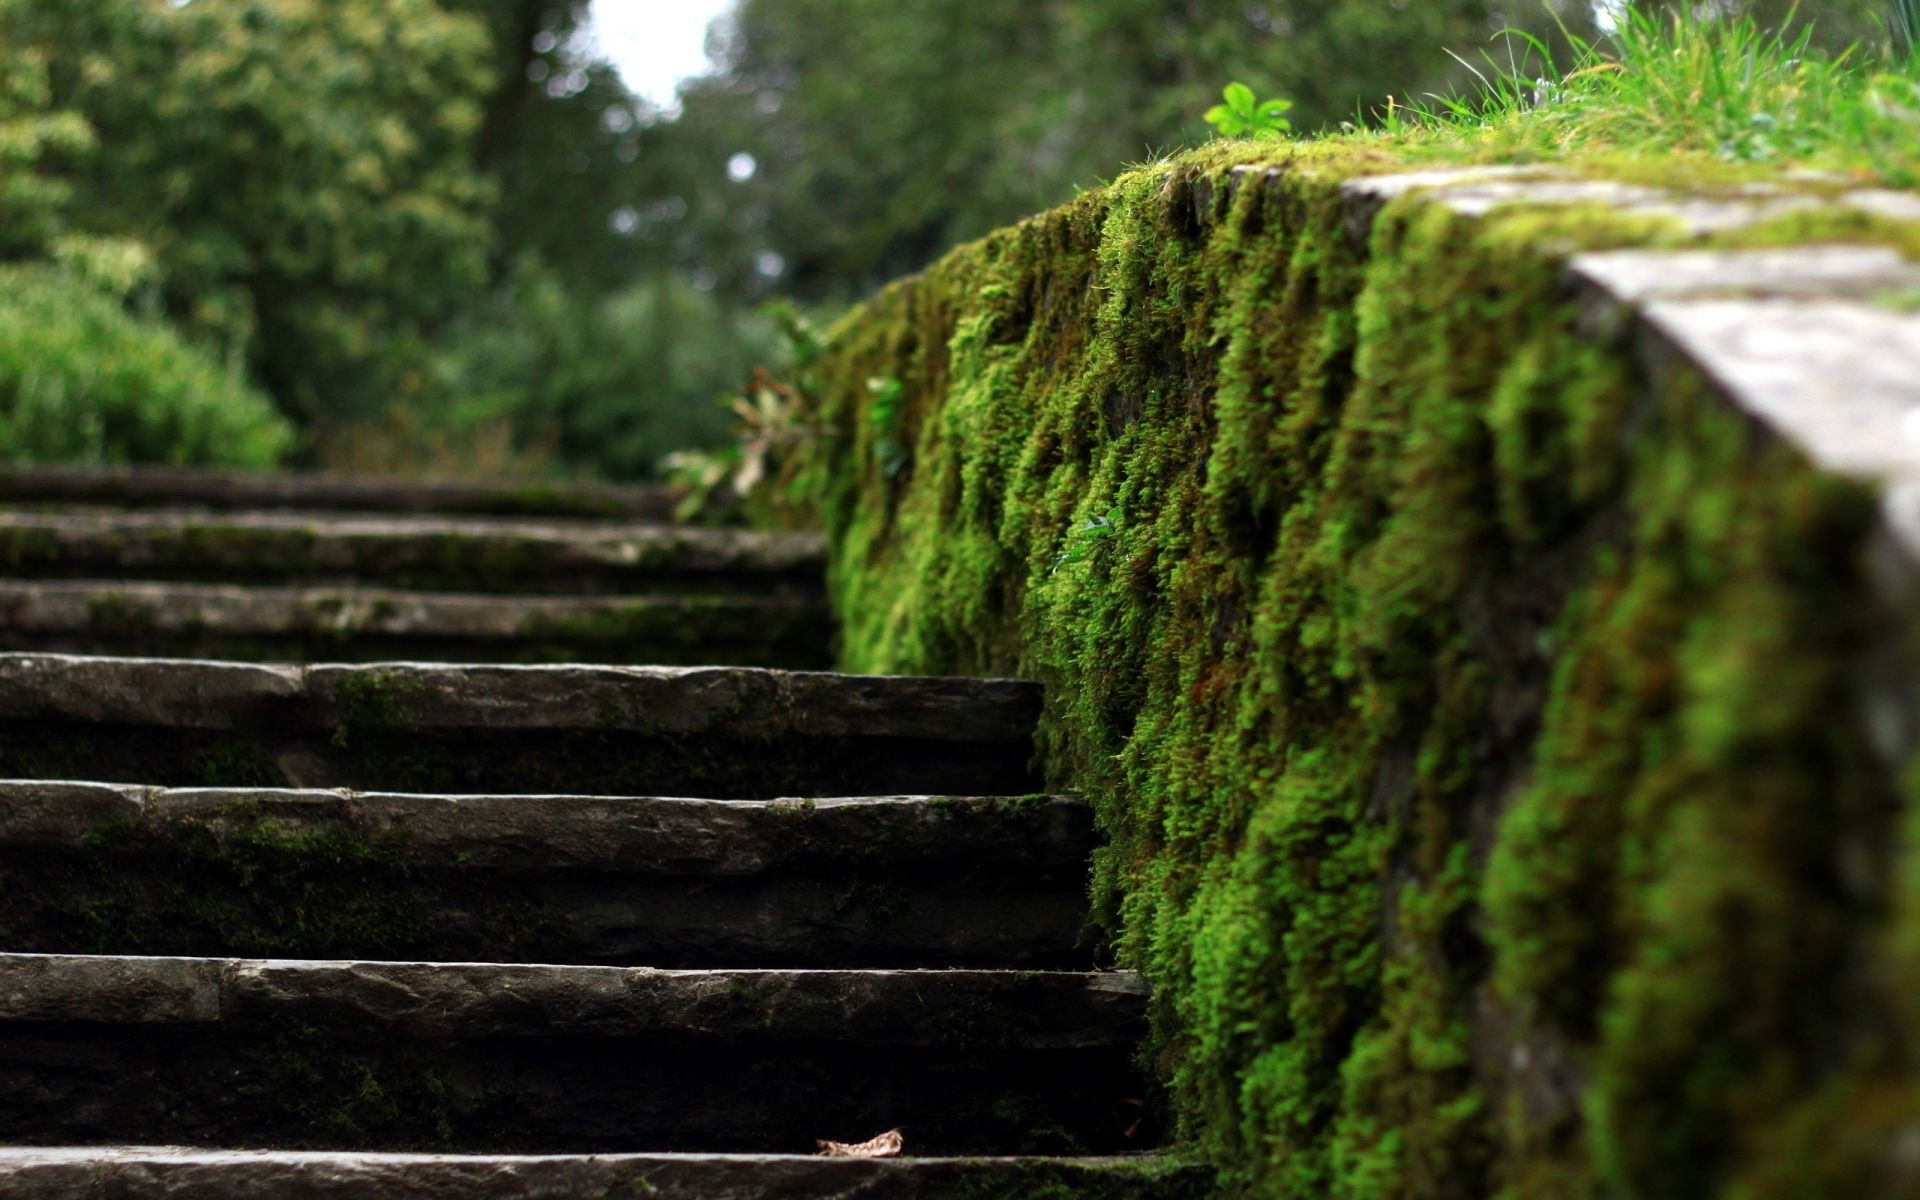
[1467, 715]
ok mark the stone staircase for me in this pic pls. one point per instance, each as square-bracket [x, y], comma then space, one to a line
[507, 925]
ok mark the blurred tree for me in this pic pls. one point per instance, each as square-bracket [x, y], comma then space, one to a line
[301, 169]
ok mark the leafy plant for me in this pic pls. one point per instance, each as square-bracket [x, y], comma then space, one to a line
[1903, 21]
[717, 481]
[84, 380]
[1243, 116]
[1082, 542]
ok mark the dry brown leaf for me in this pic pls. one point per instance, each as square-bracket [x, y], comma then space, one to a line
[887, 1145]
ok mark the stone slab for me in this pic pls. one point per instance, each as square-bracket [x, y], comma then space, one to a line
[419, 553]
[1041, 1010]
[1839, 379]
[136, 1173]
[374, 624]
[507, 1058]
[1480, 191]
[141, 486]
[852, 882]
[728, 732]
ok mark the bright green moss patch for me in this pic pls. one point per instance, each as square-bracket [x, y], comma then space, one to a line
[1470, 719]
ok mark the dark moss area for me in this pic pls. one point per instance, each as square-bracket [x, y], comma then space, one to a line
[360, 753]
[292, 1084]
[1473, 721]
[243, 883]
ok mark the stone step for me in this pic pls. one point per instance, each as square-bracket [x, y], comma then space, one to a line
[726, 732]
[866, 882]
[229, 491]
[136, 1173]
[295, 624]
[464, 554]
[559, 1059]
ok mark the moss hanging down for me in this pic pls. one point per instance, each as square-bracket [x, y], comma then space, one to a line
[1470, 717]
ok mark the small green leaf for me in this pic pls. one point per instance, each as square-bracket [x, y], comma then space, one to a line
[1239, 98]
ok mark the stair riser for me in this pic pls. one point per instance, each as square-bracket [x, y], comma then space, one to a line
[266, 1084]
[503, 1058]
[235, 490]
[545, 762]
[872, 922]
[798, 640]
[727, 732]
[941, 881]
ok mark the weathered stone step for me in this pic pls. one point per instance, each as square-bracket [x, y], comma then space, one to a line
[470, 554]
[728, 732]
[146, 486]
[502, 1058]
[133, 1173]
[891, 881]
[359, 624]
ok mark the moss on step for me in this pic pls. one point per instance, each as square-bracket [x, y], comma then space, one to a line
[1470, 720]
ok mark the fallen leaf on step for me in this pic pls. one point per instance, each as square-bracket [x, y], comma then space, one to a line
[1131, 1115]
[887, 1145]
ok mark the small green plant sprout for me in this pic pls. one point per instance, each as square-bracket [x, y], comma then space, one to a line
[884, 417]
[1082, 542]
[1243, 116]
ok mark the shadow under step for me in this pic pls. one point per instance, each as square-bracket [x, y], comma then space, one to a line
[135, 1173]
[729, 732]
[459, 554]
[508, 1058]
[186, 487]
[305, 624]
[893, 881]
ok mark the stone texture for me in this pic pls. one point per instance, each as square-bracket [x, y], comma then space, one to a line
[855, 882]
[730, 732]
[1613, 285]
[374, 624]
[506, 1057]
[446, 553]
[142, 486]
[1839, 379]
[1881, 202]
[127, 1173]
[1478, 191]
[1057, 1010]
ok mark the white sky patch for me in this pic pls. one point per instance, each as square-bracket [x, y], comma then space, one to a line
[655, 43]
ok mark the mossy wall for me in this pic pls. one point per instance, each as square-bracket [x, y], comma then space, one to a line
[1472, 718]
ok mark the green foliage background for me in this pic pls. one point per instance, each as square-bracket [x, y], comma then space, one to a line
[445, 229]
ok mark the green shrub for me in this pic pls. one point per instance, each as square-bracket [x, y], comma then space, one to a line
[84, 380]
[602, 385]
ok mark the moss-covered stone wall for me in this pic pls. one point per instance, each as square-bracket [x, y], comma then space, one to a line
[1471, 716]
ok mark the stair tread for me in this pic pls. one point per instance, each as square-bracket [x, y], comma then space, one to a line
[1057, 1010]
[637, 835]
[212, 694]
[890, 881]
[135, 1171]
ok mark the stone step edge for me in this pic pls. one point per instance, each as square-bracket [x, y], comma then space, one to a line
[661, 701]
[170, 1172]
[968, 1008]
[220, 489]
[627, 835]
[312, 546]
[138, 607]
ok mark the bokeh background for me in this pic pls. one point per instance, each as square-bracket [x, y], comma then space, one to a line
[538, 237]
